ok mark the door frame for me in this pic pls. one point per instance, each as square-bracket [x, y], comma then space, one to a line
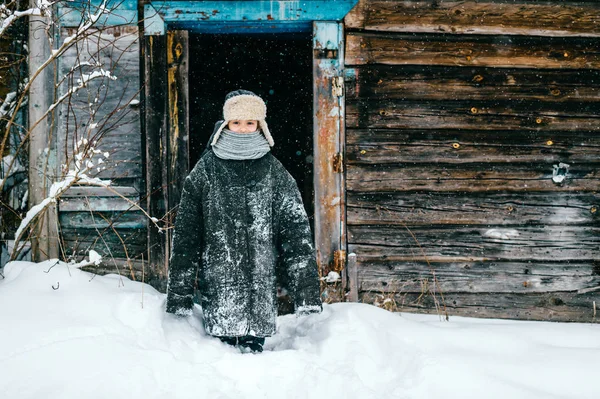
[166, 107]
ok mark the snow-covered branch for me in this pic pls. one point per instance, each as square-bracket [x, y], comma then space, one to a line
[84, 161]
[82, 82]
[8, 17]
[44, 7]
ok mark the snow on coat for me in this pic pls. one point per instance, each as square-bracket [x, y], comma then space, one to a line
[238, 221]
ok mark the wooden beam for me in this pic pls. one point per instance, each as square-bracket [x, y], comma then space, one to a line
[328, 143]
[480, 277]
[178, 98]
[556, 306]
[42, 143]
[481, 243]
[352, 279]
[473, 115]
[155, 90]
[268, 12]
[558, 18]
[389, 146]
[424, 82]
[493, 51]
[497, 209]
[470, 179]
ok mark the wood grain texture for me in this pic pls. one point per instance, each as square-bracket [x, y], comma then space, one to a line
[469, 178]
[79, 241]
[516, 209]
[101, 220]
[425, 82]
[480, 277]
[467, 51]
[558, 18]
[388, 146]
[472, 115]
[475, 243]
[155, 103]
[556, 306]
[116, 132]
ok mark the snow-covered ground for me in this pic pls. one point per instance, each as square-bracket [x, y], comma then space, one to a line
[67, 334]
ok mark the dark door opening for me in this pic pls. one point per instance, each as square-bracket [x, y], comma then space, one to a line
[279, 69]
[276, 67]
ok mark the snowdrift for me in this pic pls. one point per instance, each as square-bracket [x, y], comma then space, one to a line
[67, 334]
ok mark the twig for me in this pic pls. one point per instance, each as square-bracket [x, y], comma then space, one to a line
[55, 263]
[111, 225]
[104, 241]
[431, 269]
[143, 270]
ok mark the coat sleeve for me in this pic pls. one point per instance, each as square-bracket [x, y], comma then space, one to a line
[186, 248]
[295, 247]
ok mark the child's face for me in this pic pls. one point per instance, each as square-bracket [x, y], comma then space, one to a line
[243, 126]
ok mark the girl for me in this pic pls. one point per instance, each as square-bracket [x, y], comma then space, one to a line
[241, 216]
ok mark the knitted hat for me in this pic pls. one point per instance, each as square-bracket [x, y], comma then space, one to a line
[244, 105]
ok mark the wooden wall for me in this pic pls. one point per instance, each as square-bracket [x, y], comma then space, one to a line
[461, 119]
[91, 217]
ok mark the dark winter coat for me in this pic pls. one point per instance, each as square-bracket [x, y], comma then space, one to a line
[238, 221]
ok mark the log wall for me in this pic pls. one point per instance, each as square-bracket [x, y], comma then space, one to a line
[472, 149]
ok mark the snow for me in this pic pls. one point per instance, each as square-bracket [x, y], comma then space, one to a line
[69, 334]
[331, 277]
[12, 16]
[503, 234]
[559, 172]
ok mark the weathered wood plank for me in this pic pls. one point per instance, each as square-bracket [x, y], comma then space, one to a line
[557, 18]
[384, 146]
[98, 204]
[475, 178]
[493, 51]
[102, 220]
[463, 83]
[91, 113]
[474, 115]
[80, 241]
[178, 122]
[155, 103]
[90, 191]
[482, 277]
[485, 209]
[43, 166]
[548, 307]
[328, 142]
[461, 243]
[352, 277]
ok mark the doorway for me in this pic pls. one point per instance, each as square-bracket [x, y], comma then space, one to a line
[277, 67]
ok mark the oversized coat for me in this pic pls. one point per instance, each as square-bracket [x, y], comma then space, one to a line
[237, 222]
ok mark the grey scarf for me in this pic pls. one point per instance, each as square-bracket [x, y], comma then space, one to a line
[239, 146]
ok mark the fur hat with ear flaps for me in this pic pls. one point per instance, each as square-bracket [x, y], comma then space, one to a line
[244, 105]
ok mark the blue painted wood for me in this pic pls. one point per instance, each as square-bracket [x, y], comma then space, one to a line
[154, 24]
[236, 16]
[242, 27]
[119, 12]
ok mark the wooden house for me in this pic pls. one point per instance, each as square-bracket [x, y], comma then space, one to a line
[448, 151]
